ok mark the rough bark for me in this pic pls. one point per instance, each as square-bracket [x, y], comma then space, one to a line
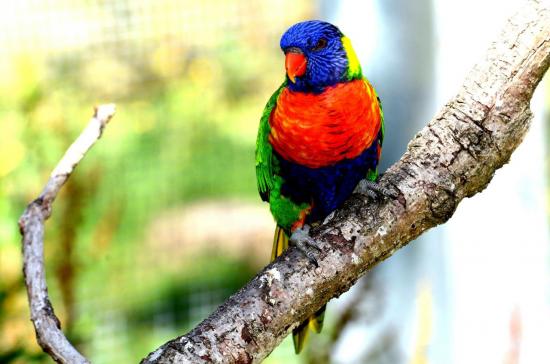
[31, 224]
[453, 157]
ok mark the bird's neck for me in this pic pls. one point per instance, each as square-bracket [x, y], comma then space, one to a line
[304, 86]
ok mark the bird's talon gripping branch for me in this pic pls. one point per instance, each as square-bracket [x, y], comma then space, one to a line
[305, 243]
[374, 190]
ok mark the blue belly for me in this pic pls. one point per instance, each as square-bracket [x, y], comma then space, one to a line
[326, 187]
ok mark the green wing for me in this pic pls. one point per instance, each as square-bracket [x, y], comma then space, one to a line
[381, 111]
[264, 152]
[382, 126]
[373, 175]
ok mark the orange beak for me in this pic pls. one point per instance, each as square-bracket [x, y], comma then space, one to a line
[295, 64]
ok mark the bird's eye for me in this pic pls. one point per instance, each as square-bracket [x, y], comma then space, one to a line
[321, 43]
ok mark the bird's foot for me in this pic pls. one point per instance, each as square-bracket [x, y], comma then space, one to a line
[374, 190]
[305, 243]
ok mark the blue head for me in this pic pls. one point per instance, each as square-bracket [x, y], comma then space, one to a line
[318, 55]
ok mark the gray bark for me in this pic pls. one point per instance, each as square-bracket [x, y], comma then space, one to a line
[31, 224]
[453, 157]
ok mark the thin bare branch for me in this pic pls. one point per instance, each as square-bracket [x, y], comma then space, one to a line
[453, 157]
[31, 224]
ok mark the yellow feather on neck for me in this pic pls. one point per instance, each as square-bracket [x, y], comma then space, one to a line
[354, 67]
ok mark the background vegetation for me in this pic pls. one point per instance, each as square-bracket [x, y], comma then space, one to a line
[162, 221]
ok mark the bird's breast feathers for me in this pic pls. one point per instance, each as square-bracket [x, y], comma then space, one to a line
[317, 130]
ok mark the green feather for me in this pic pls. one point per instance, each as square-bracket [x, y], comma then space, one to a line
[265, 172]
[285, 211]
[372, 174]
[382, 126]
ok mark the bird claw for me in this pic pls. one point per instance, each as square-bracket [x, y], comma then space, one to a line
[374, 190]
[305, 243]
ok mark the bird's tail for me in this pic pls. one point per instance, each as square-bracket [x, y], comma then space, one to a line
[314, 322]
[280, 242]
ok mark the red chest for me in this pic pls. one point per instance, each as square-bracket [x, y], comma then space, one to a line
[317, 130]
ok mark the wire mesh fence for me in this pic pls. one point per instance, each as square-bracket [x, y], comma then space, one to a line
[160, 223]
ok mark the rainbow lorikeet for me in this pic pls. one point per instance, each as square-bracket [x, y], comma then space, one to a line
[319, 139]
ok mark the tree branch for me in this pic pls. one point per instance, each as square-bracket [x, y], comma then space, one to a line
[453, 157]
[31, 224]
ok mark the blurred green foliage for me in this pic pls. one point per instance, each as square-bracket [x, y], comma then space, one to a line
[184, 131]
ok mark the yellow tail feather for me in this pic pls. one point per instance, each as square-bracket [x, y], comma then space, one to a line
[299, 336]
[315, 322]
[280, 243]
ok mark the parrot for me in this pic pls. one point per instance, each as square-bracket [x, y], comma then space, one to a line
[319, 141]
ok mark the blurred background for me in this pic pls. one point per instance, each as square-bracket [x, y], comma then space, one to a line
[162, 222]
